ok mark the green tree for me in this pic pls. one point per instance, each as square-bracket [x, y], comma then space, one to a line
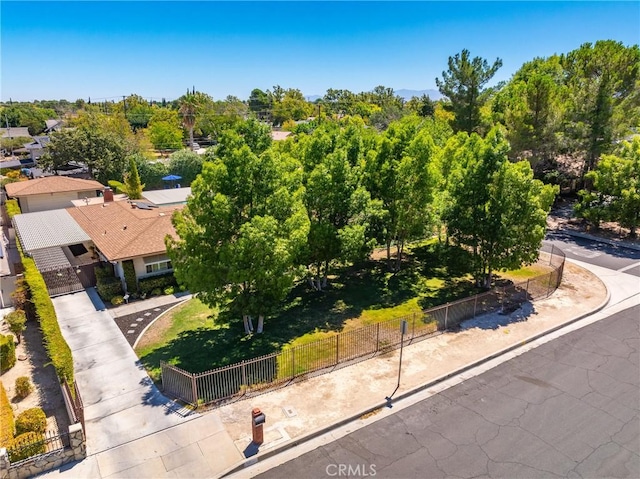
[103, 152]
[164, 130]
[402, 176]
[530, 106]
[340, 208]
[242, 230]
[190, 108]
[17, 323]
[187, 164]
[498, 209]
[260, 104]
[616, 189]
[599, 78]
[464, 86]
[293, 106]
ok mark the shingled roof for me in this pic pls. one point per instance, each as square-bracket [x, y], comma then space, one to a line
[50, 184]
[122, 231]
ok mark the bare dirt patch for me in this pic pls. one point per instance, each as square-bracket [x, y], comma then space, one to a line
[34, 363]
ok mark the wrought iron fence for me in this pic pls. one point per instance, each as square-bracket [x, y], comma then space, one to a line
[255, 376]
[73, 400]
[35, 444]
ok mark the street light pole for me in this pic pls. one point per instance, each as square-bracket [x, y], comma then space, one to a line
[404, 327]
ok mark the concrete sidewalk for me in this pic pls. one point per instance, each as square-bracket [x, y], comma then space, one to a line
[216, 442]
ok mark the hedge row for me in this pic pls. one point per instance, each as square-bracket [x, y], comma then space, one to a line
[7, 426]
[160, 282]
[55, 344]
[58, 349]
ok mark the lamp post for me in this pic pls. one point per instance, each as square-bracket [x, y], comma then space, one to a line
[404, 327]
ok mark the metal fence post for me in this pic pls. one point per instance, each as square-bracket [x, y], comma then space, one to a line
[194, 390]
[378, 337]
[446, 315]
[244, 374]
[413, 327]
[337, 348]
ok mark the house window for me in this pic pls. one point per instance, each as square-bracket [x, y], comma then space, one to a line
[158, 266]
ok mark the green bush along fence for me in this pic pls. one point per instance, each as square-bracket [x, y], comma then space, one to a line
[255, 376]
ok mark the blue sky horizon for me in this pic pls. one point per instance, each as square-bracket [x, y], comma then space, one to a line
[159, 49]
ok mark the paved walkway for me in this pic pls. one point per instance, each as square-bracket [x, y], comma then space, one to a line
[215, 442]
[121, 402]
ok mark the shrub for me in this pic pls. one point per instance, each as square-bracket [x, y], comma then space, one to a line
[12, 208]
[156, 292]
[31, 420]
[130, 276]
[23, 387]
[117, 300]
[7, 352]
[107, 285]
[26, 445]
[147, 286]
[17, 322]
[169, 290]
[7, 427]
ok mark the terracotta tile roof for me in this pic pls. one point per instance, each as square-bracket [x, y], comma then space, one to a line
[51, 184]
[121, 231]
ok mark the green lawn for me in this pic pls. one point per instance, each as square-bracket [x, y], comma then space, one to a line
[197, 339]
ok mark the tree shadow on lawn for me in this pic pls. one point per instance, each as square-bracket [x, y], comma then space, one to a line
[367, 286]
[353, 290]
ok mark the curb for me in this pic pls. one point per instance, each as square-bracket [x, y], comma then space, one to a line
[174, 305]
[618, 243]
[326, 429]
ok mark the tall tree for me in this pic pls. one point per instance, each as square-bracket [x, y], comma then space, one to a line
[600, 77]
[241, 233]
[164, 130]
[497, 208]
[104, 153]
[402, 176]
[340, 208]
[464, 86]
[190, 105]
[530, 106]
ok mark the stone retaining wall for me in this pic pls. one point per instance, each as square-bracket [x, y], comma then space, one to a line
[32, 466]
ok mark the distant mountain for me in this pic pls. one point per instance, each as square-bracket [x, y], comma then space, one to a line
[407, 94]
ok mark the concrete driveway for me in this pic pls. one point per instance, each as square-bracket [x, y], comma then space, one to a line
[121, 402]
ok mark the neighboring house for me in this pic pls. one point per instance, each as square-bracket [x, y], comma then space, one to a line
[129, 231]
[52, 192]
[53, 125]
[36, 148]
[15, 132]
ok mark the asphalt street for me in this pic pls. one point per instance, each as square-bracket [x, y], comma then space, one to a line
[617, 258]
[569, 408]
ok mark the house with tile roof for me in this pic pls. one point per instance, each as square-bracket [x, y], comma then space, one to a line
[52, 192]
[133, 231]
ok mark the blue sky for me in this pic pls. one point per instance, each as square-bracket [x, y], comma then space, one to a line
[54, 50]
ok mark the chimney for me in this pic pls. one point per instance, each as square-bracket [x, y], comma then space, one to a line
[107, 194]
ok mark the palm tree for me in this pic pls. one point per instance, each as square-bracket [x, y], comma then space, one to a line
[189, 106]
